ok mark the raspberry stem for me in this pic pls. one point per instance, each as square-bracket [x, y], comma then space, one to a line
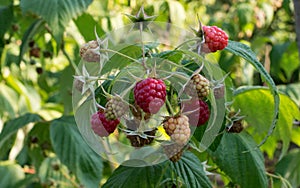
[121, 54]
[170, 106]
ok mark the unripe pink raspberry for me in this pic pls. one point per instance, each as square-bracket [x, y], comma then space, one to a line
[150, 94]
[101, 126]
[215, 39]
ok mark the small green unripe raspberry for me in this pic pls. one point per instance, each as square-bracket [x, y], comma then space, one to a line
[115, 108]
[200, 84]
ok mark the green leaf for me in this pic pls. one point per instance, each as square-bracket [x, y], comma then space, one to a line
[38, 142]
[289, 61]
[245, 52]
[8, 101]
[141, 177]
[252, 101]
[191, 171]
[6, 18]
[86, 26]
[34, 28]
[239, 158]
[53, 172]
[11, 174]
[291, 90]
[74, 152]
[177, 13]
[12, 126]
[56, 13]
[289, 167]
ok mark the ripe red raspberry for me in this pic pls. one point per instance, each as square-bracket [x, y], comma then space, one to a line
[178, 129]
[101, 126]
[197, 111]
[215, 39]
[90, 51]
[150, 94]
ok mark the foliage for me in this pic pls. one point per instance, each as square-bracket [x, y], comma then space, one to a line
[41, 144]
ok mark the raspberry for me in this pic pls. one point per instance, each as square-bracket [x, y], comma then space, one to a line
[138, 141]
[215, 39]
[200, 84]
[173, 151]
[89, 51]
[197, 111]
[150, 94]
[178, 129]
[115, 108]
[101, 126]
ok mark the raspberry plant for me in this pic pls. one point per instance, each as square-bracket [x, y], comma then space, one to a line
[175, 98]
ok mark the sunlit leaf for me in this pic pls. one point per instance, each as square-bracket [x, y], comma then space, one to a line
[256, 105]
[245, 52]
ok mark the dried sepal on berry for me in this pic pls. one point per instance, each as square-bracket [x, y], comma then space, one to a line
[146, 138]
[90, 51]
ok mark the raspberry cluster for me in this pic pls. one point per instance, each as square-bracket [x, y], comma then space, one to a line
[150, 94]
[178, 129]
[102, 126]
[215, 39]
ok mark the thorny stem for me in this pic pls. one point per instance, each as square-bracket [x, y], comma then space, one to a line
[283, 180]
[121, 54]
[185, 42]
[170, 106]
[143, 46]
